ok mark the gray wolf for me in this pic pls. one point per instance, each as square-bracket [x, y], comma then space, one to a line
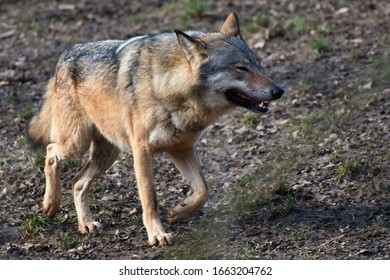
[148, 95]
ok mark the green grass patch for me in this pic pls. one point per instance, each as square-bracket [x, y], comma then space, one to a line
[99, 187]
[381, 159]
[26, 113]
[320, 46]
[262, 190]
[30, 25]
[37, 224]
[347, 168]
[248, 195]
[126, 162]
[194, 8]
[197, 251]
[200, 243]
[301, 235]
[122, 162]
[97, 204]
[23, 142]
[306, 124]
[171, 7]
[381, 71]
[306, 84]
[187, 10]
[281, 199]
[282, 208]
[252, 119]
[249, 253]
[374, 228]
[337, 154]
[138, 18]
[260, 20]
[281, 187]
[67, 241]
[39, 158]
[298, 23]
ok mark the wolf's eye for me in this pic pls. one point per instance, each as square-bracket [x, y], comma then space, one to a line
[242, 68]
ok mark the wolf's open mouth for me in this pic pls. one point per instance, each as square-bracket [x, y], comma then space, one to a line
[240, 99]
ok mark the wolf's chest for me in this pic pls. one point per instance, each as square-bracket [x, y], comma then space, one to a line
[176, 131]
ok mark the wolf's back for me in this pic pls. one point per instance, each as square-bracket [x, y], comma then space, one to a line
[40, 126]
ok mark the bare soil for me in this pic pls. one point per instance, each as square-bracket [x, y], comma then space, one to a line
[308, 180]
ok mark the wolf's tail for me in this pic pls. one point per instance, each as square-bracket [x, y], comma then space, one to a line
[40, 126]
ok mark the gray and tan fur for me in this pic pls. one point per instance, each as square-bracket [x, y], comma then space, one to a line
[151, 94]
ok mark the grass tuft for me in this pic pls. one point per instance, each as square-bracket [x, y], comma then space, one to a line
[67, 241]
[30, 25]
[259, 20]
[187, 10]
[194, 8]
[347, 168]
[138, 18]
[252, 119]
[26, 113]
[39, 158]
[321, 46]
[307, 85]
[298, 23]
[36, 224]
[23, 142]
[381, 71]
[249, 253]
[304, 124]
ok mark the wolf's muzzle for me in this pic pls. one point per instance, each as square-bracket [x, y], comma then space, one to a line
[277, 92]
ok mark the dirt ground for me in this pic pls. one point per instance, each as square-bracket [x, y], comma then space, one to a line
[308, 180]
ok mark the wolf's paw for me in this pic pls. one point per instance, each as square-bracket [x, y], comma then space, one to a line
[187, 207]
[160, 239]
[50, 207]
[177, 213]
[89, 227]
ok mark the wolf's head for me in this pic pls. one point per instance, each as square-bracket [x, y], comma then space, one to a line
[229, 71]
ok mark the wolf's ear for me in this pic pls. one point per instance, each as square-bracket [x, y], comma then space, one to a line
[194, 49]
[231, 26]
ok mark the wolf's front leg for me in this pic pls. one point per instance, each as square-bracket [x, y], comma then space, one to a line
[151, 215]
[187, 163]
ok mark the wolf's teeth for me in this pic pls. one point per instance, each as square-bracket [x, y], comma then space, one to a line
[261, 104]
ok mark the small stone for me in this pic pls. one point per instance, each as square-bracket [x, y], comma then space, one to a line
[341, 11]
[242, 130]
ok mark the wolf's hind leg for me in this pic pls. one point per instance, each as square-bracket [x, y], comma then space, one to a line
[102, 156]
[55, 153]
[52, 197]
[187, 163]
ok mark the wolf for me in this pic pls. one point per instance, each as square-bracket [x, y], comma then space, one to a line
[148, 95]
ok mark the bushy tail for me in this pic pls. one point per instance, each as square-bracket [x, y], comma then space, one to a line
[40, 126]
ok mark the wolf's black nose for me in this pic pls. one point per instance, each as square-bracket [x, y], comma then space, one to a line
[277, 92]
